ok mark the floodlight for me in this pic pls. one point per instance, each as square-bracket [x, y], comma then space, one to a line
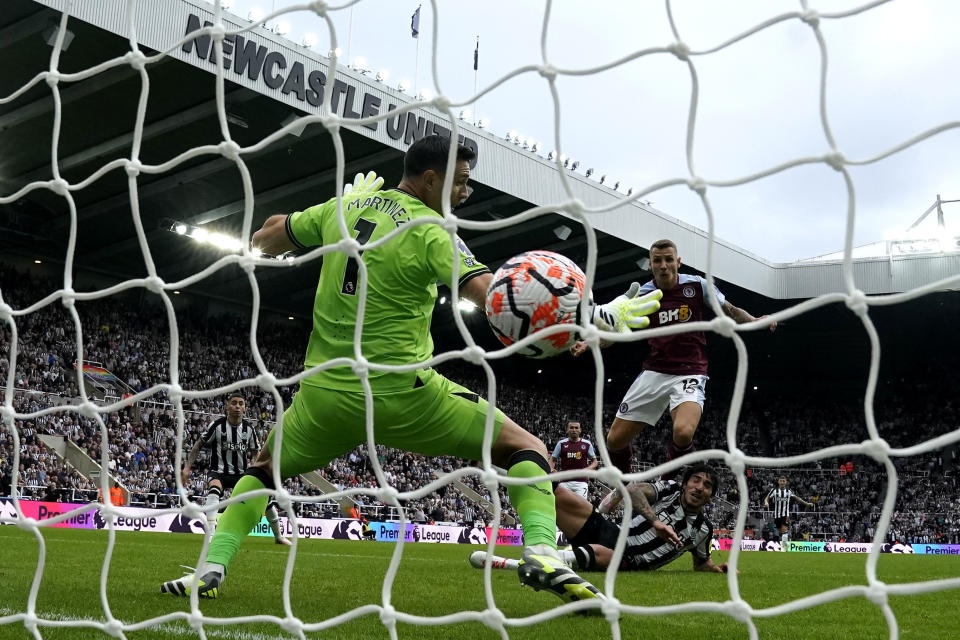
[403, 85]
[282, 28]
[223, 241]
[360, 64]
[181, 229]
[383, 75]
[589, 171]
[465, 114]
[309, 39]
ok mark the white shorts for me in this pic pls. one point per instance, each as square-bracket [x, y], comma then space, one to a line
[652, 393]
[578, 487]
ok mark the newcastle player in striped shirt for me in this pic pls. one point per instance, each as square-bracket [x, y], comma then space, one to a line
[781, 498]
[670, 521]
[230, 440]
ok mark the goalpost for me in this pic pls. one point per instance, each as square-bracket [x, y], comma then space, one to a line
[736, 607]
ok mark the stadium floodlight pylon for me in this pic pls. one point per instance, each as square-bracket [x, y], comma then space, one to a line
[737, 607]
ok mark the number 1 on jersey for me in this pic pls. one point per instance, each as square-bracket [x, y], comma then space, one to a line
[364, 229]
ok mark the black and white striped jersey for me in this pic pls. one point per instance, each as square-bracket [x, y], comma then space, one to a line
[780, 499]
[645, 550]
[230, 445]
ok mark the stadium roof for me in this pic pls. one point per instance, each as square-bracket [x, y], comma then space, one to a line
[269, 80]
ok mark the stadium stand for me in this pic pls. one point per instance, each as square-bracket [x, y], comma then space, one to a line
[142, 446]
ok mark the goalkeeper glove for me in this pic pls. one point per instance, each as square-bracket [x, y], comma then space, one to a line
[627, 312]
[363, 184]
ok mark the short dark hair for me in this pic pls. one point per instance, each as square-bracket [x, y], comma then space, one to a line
[664, 244]
[703, 468]
[430, 152]
[236, 394]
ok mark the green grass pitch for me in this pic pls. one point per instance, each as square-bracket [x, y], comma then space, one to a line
[333, 577]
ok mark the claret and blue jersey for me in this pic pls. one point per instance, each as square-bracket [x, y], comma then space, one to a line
[684, 353]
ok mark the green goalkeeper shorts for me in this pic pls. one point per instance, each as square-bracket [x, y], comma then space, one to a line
[437, 417]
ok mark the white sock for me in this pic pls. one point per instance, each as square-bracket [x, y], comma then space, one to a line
[274, 520]
[499, 562]
[213, 566]
[211, 499]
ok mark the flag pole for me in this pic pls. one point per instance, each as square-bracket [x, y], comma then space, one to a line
[476, 56]
[416, 69]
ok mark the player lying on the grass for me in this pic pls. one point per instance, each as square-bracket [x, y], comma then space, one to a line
[418, 411]
[670, 522]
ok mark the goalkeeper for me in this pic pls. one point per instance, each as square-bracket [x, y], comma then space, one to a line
[416, 410]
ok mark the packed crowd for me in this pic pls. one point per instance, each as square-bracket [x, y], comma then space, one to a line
[141, 440]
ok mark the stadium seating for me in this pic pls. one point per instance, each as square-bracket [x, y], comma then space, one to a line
[216, 351]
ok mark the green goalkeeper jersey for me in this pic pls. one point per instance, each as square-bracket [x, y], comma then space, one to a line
[401, 287]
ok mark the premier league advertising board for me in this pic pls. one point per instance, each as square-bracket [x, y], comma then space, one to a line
[88, 516]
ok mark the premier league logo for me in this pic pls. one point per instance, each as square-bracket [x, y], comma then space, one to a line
[895, 547]
[183, 524]
[7, 509]
[472, 535]
[348, 530]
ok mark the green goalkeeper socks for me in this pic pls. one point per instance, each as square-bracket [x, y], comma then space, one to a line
[236, 522]
[534, 504]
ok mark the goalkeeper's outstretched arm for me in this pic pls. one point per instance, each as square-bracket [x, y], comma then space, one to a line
[272, 238]
[475, 289]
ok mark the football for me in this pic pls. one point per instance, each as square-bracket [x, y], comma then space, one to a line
[533, 291]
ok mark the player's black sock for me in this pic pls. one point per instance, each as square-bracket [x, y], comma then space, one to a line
[621, 458]
[586, 558]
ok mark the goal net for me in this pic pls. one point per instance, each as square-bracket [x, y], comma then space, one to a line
[690, 55]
